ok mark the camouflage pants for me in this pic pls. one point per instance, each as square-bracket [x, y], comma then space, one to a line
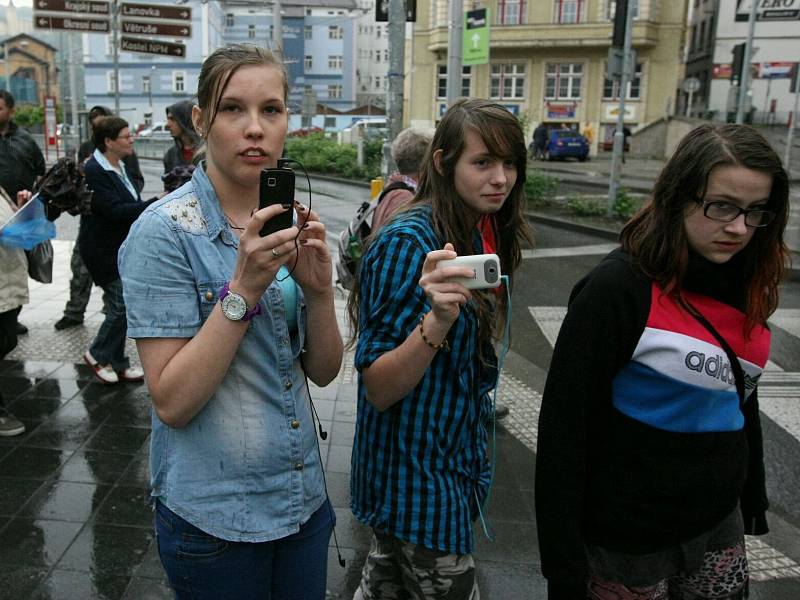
[398, 570]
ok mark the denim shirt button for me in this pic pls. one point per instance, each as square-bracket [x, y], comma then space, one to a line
[288, 385]
[209, 295]
[298, 467]
[295, 424]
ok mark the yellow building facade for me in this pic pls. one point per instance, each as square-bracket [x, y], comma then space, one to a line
[547, 63]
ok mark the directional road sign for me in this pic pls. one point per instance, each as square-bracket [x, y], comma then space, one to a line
[476, 37]
[70, 24]
[93, 7]
[144, 28]
[129, 44]
[156, 11]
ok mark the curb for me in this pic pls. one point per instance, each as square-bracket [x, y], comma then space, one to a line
[568, 225]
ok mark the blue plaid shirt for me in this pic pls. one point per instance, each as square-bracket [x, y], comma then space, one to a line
[418, 466]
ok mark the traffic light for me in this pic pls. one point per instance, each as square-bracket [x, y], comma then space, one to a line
[738, 63]
[620, 21]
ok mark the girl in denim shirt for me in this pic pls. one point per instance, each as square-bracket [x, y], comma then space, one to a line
[241, 509]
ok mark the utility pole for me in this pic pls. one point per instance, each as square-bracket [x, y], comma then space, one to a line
[394, 98]
[115, 51]
[792, 125]
[744, 84]
[619, 135]
[277, 29]
[73, 83]
[455, 50]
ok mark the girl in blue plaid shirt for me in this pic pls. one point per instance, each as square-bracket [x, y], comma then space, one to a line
[426, 361]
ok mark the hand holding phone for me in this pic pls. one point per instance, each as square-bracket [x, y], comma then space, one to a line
[276, 186]
[485, 267]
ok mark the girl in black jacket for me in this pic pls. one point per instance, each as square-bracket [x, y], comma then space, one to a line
[649, 462]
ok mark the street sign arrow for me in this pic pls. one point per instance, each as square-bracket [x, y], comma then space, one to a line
[94, 7]
[156, 11]
[148, 28]
[129, 44]
[70, 24]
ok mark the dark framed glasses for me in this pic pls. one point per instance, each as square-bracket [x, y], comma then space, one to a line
[725, 212]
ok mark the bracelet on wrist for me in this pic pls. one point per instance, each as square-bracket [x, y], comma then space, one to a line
[425, 339]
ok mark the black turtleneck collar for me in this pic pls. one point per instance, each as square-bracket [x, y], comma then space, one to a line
[723, 282]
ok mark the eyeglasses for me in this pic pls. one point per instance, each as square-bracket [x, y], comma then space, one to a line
[725, 212]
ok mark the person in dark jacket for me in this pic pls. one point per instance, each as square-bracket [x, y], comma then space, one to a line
[650, 463]
[187, 142]
[80, 284]
[115, 206]
[539, 142]
[21, 161]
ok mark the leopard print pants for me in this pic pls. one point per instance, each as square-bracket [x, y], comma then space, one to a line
[722, 576]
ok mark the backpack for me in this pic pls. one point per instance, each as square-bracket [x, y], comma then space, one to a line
[351, 240]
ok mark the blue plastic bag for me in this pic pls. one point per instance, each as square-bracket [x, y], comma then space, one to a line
[28, 227]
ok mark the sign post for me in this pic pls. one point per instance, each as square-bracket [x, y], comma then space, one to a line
[50, 127]
[690, 86]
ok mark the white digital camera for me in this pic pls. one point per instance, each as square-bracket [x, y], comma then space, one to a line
[485, 269]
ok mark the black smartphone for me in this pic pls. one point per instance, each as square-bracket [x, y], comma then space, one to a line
[276, 187]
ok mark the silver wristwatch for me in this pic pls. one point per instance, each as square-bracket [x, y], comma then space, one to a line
[234, 306]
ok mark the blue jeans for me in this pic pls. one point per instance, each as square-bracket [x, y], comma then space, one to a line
[108, 347]
[203, 566]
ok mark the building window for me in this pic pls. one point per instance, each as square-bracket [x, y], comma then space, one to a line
[111, 82]
[386, 55]
[569, 11]
[308, 62]
[563, 81]
[251, 31]
[507, 81]
[611, 9]
[229, 20]
[307, 32]
[441, 81]
[335, 32]
[377, 82]
[510, 12]
[611, 87]
[335, 62]
[334, 91]
[146, 84]
[179, 82]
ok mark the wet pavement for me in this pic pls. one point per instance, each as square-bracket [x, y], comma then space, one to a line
[74, 517]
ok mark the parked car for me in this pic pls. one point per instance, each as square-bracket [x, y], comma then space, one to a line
[367, 129]
[565, 143]
[156, 130]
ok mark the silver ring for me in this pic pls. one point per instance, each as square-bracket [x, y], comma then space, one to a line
[275, 253]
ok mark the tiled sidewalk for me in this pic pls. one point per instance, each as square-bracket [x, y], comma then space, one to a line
[74, 520]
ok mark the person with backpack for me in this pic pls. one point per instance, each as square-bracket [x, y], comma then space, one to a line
[408, 150]
[426, 361]
[649, 465]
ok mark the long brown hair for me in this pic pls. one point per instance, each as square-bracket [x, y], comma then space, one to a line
[656, 236]
[453, 221]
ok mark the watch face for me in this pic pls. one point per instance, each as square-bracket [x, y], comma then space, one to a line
[234, 306]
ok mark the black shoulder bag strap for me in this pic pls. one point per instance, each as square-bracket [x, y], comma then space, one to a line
[736, 367]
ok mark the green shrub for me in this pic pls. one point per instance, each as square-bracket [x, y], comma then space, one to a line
[584, 206]
[323, 155]
[540, 188]
[625, 205]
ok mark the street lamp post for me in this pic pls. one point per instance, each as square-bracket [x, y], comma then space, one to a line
[150, 91]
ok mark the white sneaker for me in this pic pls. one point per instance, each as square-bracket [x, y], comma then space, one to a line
[131, 374]
[10, 425]
[89, 359]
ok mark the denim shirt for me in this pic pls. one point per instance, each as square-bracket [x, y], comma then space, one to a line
[246, 467]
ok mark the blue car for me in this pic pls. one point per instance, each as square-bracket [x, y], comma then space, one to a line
[565, 143]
